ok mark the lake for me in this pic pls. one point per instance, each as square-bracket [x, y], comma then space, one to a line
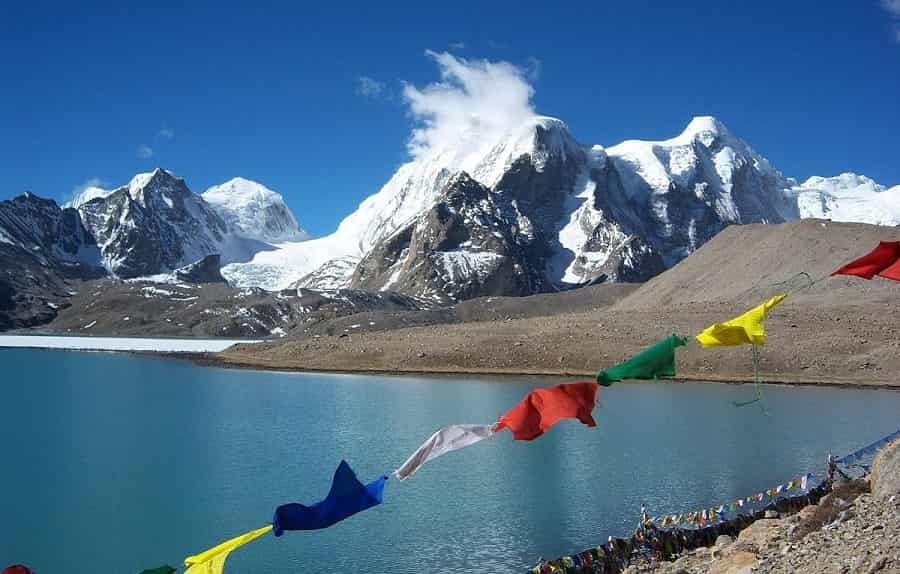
[116, 463]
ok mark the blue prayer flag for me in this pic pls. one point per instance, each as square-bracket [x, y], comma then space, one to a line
[346, 497]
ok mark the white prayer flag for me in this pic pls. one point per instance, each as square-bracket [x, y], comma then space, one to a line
[445, 440]
[803, 481]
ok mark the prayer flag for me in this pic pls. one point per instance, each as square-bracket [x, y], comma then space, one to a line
[543, 408]
[892, 272]
[803, 481]
[790, 485]
[346, 497]
[161, 570]
[17, 569]
[653, 362]
[779, 488]
[213, 560]
[746, 328]
[883, 261]
[445, 440]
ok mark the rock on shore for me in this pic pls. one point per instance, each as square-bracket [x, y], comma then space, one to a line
[850, 531]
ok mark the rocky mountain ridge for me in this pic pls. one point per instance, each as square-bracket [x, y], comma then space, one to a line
[575, 214]
[532, 211]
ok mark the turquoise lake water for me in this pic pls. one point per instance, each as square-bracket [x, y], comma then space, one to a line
[115, 463]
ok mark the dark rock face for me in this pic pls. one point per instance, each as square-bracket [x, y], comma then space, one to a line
[41, 247]
[207, 270]
[31, 292]
[154, 227]
[53, 236]
[463, 247]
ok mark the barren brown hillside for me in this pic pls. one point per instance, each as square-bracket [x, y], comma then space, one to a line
[842, 330]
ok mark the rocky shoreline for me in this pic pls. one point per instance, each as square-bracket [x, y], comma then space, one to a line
[854, 529]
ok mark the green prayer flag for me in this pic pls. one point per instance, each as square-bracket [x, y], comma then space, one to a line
[161, 570]
[651, 363]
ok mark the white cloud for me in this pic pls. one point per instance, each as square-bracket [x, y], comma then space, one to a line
[892, 6]
[458, 46]
[370, 87]
[166, 132]
[144, 152]
[475, 100]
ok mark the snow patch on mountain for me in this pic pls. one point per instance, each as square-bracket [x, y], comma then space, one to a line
[87, 194]
[849, 197]
[577, 230]
[254, 211]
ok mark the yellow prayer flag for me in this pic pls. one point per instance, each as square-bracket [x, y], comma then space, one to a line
[213, 560]
[746, 328]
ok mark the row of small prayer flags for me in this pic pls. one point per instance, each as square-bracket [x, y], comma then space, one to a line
[701, 517]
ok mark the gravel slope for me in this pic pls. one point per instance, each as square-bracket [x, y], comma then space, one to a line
[843, 330]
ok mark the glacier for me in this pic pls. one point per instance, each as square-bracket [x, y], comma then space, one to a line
[849, 197]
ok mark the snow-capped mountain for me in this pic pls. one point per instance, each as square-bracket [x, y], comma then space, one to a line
[849, 197]
[156, 224]
[567, 213]
[254, 211]
[329, 262]
[525, 211]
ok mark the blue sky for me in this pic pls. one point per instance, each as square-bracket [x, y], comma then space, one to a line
[275, 91]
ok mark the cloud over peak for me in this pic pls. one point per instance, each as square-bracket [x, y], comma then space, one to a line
[474, 100]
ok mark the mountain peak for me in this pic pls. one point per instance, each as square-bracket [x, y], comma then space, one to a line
[254, 211]
[705, 129]
[239, 186]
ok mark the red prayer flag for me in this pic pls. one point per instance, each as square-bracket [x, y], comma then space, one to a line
[883, 261]
[16, 569]
[543, 408]
[892, 272]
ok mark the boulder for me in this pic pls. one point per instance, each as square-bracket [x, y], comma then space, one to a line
[736, 563]
[885, 479]
[758, 534]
